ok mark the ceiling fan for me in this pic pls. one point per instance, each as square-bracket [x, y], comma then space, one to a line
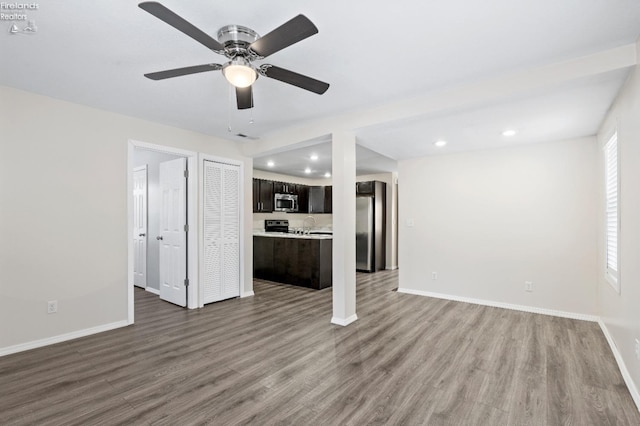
[242, 46]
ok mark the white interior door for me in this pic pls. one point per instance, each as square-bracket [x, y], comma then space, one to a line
[173, 236]
[221, 231]
[140, 226]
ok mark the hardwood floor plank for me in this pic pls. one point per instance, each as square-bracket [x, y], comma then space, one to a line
[275, 359]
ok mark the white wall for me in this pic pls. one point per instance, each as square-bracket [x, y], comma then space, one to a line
[487, 221]
[63, 215]
[621, 312]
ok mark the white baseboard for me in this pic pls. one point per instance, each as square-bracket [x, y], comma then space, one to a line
[344, 321]
[247, 294]
[61, 338]
[391, 268]
[153, 290]
[523, 308]
[633, 390]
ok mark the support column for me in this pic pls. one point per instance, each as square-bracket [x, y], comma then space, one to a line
[343, 155]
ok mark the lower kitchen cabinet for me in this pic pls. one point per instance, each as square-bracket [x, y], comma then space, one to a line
[263, 257]
[304, 262]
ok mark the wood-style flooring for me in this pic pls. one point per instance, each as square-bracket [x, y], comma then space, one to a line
[275, 359]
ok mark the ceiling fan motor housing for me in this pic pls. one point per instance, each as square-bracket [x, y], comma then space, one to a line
[236, 40]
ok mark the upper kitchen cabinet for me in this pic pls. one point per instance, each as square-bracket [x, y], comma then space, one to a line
[320, 199]
[303, 198]
[262, 196]
[328, 199]
[284, 188]
[365, 188]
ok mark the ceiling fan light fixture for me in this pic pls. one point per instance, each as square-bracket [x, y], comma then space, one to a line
[239, 73]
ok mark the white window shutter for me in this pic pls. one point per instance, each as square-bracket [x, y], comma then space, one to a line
[611, 209]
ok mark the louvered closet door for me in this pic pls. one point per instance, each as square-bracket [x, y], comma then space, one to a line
[230, 231]
[221, 231]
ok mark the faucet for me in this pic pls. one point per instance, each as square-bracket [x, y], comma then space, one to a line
[306, 228]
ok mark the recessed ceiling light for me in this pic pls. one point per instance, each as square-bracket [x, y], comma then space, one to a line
[327, 175]
[509, 133]
[307, 170]
[271, 164]
[314, 157]
[440, 144]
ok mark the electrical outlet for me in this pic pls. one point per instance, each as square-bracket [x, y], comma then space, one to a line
[638, 349]
[434, 275]
[410, 223]
[52, 306]
[528, 286]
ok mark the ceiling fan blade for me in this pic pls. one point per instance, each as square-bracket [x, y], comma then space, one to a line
[290, 77]
[285, 35]
[177, 72]
[166, 15]
[244, 97]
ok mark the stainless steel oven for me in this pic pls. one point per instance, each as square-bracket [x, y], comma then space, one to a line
[285, 203]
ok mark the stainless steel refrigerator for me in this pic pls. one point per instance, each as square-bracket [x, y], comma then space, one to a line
[370, 228]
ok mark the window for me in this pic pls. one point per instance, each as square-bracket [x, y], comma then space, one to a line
[612, 223]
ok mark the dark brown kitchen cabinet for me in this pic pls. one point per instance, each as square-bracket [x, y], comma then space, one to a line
[316, 199]
[304, 262]
[262, 196]
[284, 188]
[320, 199]
[328, 199]
[281, 259]
[303, 198]
[311, 199]
[365, 188]
[263, 249]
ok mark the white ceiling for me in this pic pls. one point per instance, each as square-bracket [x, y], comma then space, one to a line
[297, 159]
[566, 111]
[373, 53]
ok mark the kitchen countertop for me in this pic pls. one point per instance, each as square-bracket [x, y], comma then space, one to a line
[311, 236]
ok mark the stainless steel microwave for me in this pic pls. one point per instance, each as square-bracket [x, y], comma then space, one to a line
[285, 203]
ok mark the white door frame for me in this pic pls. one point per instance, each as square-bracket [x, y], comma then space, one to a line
[240, 164]
[192, 221]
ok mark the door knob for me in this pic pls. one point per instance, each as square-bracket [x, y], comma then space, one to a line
[142, 235]
[159, 237]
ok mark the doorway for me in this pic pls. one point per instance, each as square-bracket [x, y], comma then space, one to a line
[163, 248]
[140, 226]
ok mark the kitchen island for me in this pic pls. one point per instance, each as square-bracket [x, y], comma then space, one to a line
[303, 260]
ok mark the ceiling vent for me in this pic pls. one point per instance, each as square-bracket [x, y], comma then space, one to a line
[242, 135]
